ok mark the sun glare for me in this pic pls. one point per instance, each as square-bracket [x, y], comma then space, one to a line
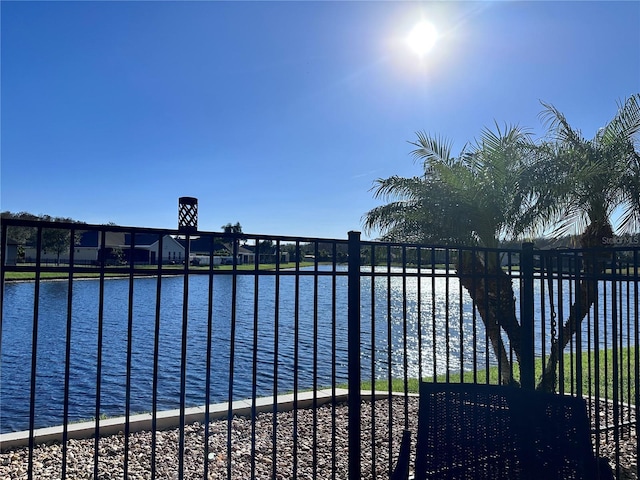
[422, 38]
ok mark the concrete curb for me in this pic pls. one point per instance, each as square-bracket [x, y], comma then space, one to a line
[168, 419]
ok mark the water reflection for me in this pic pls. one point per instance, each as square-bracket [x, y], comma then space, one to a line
[280, 333]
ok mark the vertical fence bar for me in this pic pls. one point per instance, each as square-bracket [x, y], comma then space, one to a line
[183, 356]
[354, 355]
[232, 353]
[596, 363]
[34, 351]
[461, 329]
[296, 357]
[314, 452]
[434, 343]
[127, 408]
[447, 343]
[389, 312]
[527, 347]
[571, 341]
[576, 262]
[405, 350]
[474, 321]
[156, 354]
[3, 260]
[578, 375]
[484, 282]
[276, 353]
[96, 452]
[254, 359]
[629, 337]
[615, 359]
[419, 308]
[207, 395]
[602, 322]
[557, 270]
[512, 353]
[373, 358]
[636, 356]
[542, 259]
[67, 355]
[334, 338]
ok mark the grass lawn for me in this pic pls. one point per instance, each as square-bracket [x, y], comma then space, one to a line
[605, 387]
[146, 270]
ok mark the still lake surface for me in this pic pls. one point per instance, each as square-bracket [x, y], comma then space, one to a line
[253, 341]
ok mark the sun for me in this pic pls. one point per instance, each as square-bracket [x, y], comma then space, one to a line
[422, 38]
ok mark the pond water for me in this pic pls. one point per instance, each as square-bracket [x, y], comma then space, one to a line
[253, 341]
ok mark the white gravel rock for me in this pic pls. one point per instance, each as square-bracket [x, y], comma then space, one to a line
[296, 455]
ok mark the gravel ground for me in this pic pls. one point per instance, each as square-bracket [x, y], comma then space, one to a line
[292, 459]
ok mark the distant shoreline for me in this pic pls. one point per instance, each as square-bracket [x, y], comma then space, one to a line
[146, 271]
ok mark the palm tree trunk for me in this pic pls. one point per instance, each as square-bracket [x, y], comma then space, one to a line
[491, 290]
[594, 265]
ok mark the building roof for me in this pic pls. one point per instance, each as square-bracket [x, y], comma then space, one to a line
[93, 238]
[89, 239]
[203, 245]
[142, 239]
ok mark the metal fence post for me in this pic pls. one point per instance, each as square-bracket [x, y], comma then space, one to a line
[354, 355]
[527, 346]
[187, 224]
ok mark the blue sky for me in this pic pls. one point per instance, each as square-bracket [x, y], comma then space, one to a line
[279, 115]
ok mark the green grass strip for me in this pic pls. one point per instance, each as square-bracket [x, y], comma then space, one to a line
[151, 269]
[601, 381]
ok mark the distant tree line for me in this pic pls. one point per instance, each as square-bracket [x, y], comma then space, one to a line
[54, 240]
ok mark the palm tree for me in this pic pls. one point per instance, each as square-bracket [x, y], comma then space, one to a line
[584, 183]
[472, 199]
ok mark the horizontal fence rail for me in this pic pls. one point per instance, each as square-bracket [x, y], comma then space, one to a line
[208, 355]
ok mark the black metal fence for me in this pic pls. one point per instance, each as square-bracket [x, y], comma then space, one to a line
[299, 368]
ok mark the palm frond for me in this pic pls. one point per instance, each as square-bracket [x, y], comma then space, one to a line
[626, 123]
[396, 187]
[431, 149]
[629, 221]
[559, 127]
[504, 185]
